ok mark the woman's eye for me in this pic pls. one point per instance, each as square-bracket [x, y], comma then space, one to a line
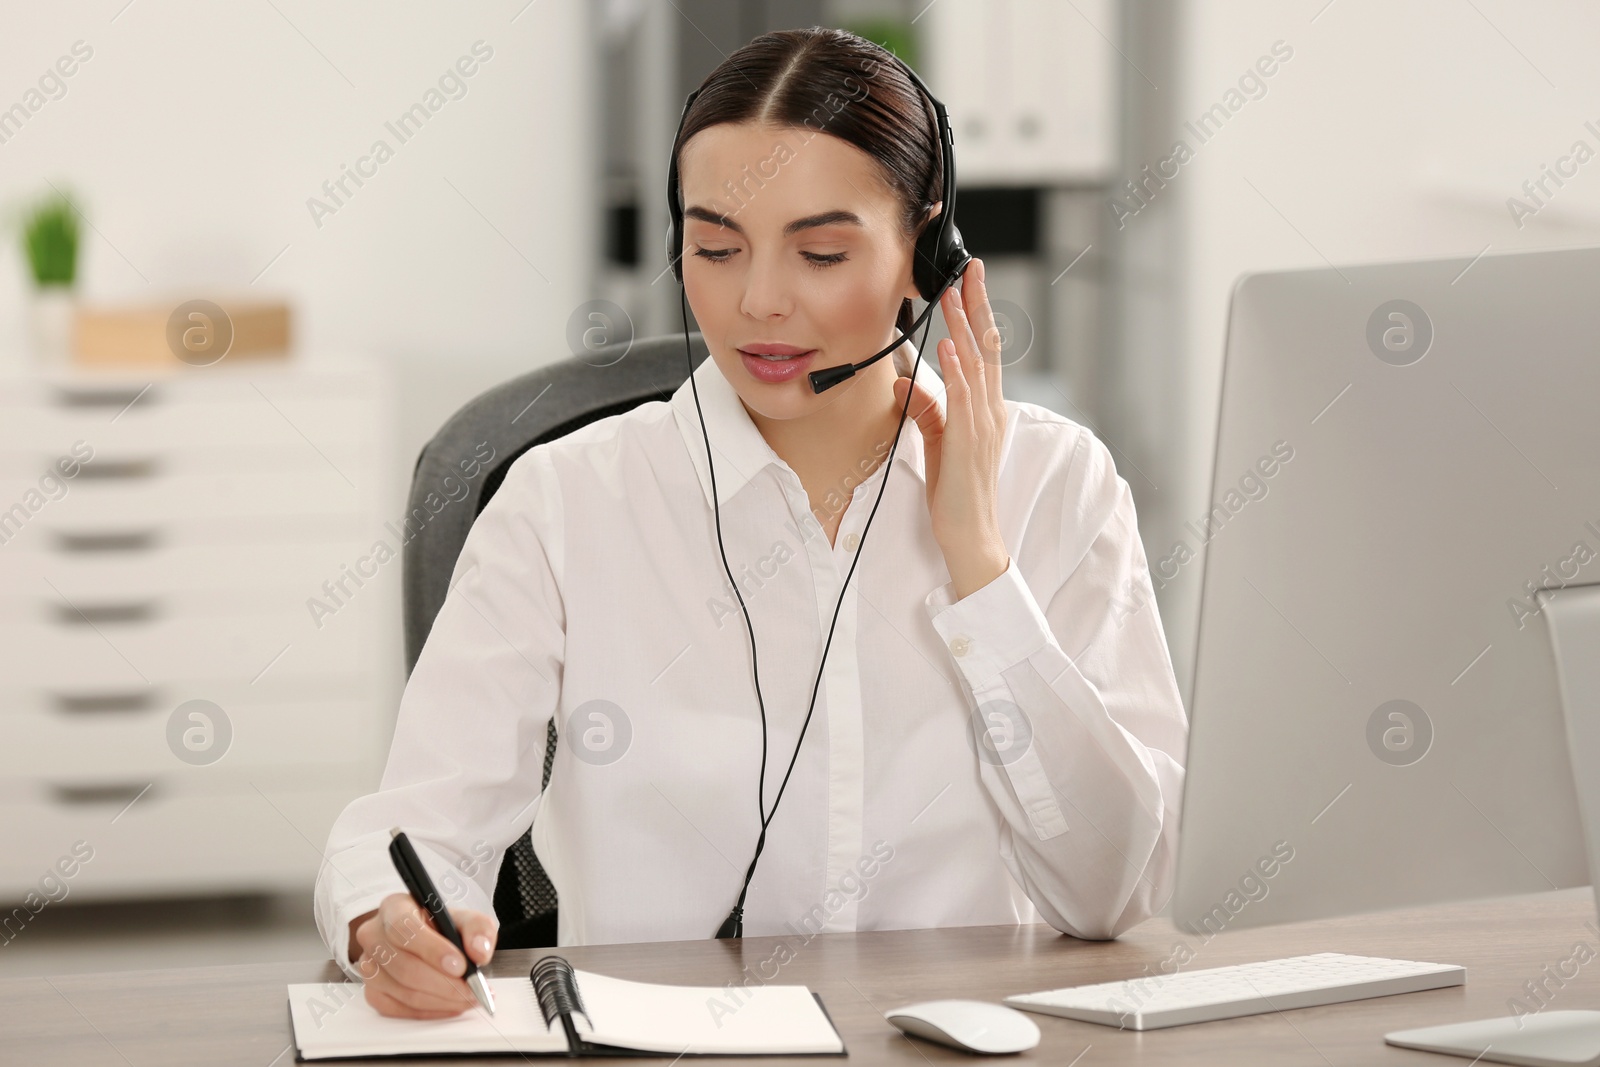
[813, 259]
[821, 261]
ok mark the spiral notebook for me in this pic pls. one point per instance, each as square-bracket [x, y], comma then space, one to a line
[562, 1011]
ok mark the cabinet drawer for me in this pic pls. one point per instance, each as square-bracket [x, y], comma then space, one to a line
[157, 423]
[169, 842]
[68, 695]
[188, 574]
[110, 744]
[189, 649]
[316, 489]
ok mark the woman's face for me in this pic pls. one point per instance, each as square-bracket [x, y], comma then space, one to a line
[790, 238]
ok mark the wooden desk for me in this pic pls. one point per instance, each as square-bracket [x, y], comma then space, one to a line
[212, 1016]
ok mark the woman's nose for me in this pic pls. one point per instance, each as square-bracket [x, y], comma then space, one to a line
[767, 290]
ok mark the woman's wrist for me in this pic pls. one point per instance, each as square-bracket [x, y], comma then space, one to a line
[354, 950]
[973, 568]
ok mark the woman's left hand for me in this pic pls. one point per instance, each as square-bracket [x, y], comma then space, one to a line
[961, 446]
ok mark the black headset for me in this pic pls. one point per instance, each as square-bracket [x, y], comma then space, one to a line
[939, 259]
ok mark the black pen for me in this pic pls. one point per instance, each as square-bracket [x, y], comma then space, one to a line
[415, 876]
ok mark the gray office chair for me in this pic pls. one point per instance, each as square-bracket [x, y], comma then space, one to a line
[539, 406]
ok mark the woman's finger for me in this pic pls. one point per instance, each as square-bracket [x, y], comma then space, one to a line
[924, 409]
[975, 297]
[408, 928]
[419, 976]
[957, 394]
[385, 1004]
[479, 933]
[970, 360]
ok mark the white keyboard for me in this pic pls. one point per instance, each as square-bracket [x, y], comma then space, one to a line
[1157, 1000]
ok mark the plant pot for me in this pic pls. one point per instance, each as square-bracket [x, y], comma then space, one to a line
[50, 324]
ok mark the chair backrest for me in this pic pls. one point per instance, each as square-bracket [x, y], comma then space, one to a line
[511, 418]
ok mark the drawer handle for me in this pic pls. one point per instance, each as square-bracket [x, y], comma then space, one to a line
[93, 614]
[117, 396]
[105, 469]
[107, 541]
[109, 793]
[95, 703]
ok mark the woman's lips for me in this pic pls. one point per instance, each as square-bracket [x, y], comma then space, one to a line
[763, 369]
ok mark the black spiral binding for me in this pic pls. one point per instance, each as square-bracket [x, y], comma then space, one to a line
[557, 989]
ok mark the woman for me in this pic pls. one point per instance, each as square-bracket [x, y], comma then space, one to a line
[997, 734]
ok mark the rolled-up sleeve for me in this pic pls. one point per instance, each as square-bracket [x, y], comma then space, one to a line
[464, 771]
[1082, 731]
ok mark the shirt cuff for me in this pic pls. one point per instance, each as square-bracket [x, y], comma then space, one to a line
[991, 629]
[350, 883]
[340, 934]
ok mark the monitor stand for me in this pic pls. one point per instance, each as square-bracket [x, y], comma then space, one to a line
[1550, 1038]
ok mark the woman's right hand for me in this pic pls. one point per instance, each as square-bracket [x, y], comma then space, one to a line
[411, 970]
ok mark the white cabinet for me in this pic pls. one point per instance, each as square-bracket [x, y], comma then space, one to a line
[1031, 86]
[208, 512]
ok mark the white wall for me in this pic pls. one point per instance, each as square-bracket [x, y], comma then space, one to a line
[197, 131]
[1397, 130]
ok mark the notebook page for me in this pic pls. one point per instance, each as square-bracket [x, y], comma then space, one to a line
[334, 1019]
[705, 1019]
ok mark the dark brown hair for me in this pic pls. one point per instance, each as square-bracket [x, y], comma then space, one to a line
[832, 81]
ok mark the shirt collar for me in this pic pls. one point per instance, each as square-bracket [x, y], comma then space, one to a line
[739, 449]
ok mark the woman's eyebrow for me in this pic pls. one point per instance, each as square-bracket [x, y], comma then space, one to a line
[826, 218]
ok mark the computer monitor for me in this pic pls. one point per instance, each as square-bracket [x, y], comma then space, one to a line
[1407, 476]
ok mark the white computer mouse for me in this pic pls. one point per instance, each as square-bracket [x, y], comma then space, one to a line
[969, 1025]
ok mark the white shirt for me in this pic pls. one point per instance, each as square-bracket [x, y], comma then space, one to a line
[591, 588]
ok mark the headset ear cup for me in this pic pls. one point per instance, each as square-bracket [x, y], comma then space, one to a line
[940, 255]
[954, 257]
[674, 247]
[925, 262]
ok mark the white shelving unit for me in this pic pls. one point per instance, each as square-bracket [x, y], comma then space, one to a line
[178, 564]
[1031, 87]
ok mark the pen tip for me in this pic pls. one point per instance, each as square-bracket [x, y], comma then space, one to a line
[394, 832]
[480, 987]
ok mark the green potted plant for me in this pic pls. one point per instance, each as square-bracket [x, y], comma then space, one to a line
[50, 242]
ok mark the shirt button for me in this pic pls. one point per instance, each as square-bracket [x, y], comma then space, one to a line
[851, 541]
[960, 645]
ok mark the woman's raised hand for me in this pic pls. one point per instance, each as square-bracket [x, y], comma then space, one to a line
[961, 446]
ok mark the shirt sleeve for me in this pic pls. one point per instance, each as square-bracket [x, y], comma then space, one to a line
[463, 777]
[1081, 751]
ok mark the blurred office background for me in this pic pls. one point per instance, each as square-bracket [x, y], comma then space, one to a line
[1122, 162]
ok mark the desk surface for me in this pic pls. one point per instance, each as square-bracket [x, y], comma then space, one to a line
[238, 1015]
